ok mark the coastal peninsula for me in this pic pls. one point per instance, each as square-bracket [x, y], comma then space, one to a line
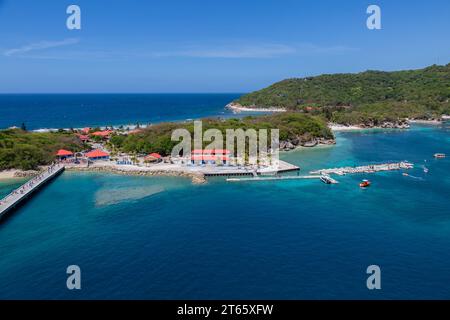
[371, 99]
[306, 111]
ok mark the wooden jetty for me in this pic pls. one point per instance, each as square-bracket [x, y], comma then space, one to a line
[24, 192]
[366, 169]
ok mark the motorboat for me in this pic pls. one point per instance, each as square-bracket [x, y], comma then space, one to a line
[365, 183]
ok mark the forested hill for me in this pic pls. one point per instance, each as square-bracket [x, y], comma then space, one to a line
[425, 91]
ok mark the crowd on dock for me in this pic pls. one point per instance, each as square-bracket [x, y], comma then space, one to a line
[30, 184]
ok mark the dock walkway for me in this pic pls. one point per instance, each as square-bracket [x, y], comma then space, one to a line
[272, 178]
[22, 193]
[366, 169]
[212, 171]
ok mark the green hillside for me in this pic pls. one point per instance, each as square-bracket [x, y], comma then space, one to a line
[296, 127]
[422, 93]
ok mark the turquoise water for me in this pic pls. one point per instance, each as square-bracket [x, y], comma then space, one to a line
[161, 237]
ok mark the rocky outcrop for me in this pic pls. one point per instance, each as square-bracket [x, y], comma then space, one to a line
[25, 174]
[398, 124]
[300, 141]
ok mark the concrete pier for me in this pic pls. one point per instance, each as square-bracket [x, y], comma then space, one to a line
[366, 169]
[24, 192]
[282, 167]
[277, 178]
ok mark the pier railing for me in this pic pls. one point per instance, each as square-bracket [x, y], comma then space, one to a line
[24, 191]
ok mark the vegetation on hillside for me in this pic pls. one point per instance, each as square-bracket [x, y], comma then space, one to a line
[157, 138]
[24, 150]
[423, 93]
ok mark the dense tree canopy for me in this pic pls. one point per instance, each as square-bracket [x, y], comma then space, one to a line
[420, 93]
[157, 138]
[27, 150]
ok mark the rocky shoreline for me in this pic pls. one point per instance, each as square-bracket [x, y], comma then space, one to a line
[292, 144]
[400, 124]
[295, 143]
[18, 174]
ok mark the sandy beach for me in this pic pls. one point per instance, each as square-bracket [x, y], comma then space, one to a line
[236, 108]
[436, 122]
[8, 174]
[16, 174]
[340, 127]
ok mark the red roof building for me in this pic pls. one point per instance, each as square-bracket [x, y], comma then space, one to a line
[103, 134]
[85, 130]
[210, 158]
[220, 151]
[153, 157]
[97, 155]
[83, 138]
[211, 151]
[64, 153]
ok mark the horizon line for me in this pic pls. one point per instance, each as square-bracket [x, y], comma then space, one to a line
[87, 93]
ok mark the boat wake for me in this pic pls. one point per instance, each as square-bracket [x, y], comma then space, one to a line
[413, 177]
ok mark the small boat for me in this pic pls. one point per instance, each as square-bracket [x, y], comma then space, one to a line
[425, 169]
[326, 179]
[439, 155]
[405, 174]
[364, 184]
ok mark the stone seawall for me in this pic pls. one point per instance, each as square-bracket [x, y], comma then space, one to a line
[197, 178]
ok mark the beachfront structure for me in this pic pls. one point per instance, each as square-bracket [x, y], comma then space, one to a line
[153, 157]
[64, 154]
[102, 134]
[97, 155]
[210, 156]
[83, 138]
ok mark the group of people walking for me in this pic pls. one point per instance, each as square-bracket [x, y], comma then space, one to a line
[31, 183]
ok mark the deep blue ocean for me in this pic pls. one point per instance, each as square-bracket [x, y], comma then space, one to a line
[165, 238]
[54, 111]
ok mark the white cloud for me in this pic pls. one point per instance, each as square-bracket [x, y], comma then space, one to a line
[309, 48]
[231, 51]
[40, 46]
[253, 51]
[236, 50]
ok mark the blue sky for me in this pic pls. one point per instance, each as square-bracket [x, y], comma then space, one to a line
[209, 46]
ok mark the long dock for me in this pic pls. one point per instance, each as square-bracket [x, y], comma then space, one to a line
[24, 192]
[366, 169]
[276, 178]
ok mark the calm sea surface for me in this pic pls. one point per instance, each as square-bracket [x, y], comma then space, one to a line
[164, 238]
[50, 111]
